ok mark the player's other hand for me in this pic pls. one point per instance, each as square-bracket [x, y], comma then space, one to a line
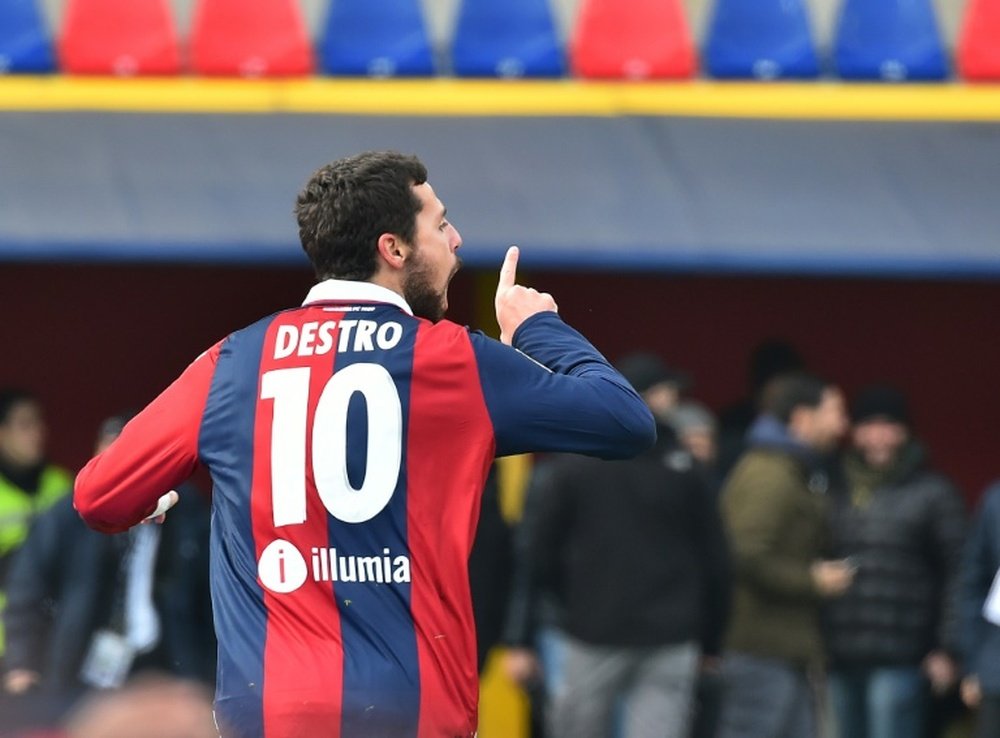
[158, 515]
[514, 303]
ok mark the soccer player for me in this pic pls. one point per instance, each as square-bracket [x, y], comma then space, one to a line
[348, 441]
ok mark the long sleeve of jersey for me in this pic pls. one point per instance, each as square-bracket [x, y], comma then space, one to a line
[156, 451]
[558, 393]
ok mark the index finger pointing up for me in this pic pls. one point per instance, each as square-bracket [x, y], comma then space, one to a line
[508, 272]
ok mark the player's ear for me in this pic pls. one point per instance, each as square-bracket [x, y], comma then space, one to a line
[393, 250]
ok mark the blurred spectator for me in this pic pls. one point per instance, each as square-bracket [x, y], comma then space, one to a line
[979, 597]
[697, 430]
[768, 360]
[901, 524]
[775, 507]
[28, 483]
[637, 552]
[86, 610]
[533, 630]
[151, 707]
[490, 567]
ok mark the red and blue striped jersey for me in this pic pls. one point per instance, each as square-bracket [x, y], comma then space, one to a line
[348, 444]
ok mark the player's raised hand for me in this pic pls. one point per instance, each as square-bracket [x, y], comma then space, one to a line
[514, 303]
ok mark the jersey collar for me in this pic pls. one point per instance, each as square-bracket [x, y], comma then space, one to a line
[346, 290]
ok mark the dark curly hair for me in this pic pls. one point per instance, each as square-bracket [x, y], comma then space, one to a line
[348, 204]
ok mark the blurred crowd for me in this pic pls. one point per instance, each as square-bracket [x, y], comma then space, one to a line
[103, 636]
[793, 568]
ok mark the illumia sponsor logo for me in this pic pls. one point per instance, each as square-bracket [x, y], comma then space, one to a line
[282, 567]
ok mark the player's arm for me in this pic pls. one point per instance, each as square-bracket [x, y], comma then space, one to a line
[156, 451]
[555, 392]
[562, 396]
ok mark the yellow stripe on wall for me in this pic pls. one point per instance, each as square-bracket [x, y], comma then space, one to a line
[828, 100]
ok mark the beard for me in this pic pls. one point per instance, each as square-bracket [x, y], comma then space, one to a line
[419, 293]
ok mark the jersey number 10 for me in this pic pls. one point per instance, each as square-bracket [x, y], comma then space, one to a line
[289, 388]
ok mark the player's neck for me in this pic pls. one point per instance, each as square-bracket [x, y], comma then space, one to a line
[390, 281]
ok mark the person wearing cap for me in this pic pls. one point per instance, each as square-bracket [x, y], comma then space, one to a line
[87, 611]
[901, 524]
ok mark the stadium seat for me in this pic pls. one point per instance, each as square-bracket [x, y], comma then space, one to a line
[763, 39]
[639, 39]
[24, 41]
[979, 42]
[262, 38]
[891, 40]
[380, 38]
[514, 38]
[122, 37]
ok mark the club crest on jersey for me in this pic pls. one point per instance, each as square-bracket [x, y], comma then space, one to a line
[283, 569]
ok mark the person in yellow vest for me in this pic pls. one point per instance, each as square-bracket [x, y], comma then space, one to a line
[28, 483]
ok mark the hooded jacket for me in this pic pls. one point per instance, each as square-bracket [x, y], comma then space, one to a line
[774, 506]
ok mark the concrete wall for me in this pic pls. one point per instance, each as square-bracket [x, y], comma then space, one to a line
[441, 15]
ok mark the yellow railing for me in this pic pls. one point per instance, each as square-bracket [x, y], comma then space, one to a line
[451, 97]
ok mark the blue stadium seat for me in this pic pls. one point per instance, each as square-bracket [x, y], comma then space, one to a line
[763, 39]
[379, 38]
[513, 38]
[25, 45]
[892, 40]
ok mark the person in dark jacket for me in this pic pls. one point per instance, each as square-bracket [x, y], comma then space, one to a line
[532, 630]
[29, 484]
[86, 610]
[774, 504]
[901, 524]
[635, 550]
[979, 616]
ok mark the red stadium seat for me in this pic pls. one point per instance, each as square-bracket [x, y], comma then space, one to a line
[262, 38]
[122, 37]
[979, 42]
[639, 39]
